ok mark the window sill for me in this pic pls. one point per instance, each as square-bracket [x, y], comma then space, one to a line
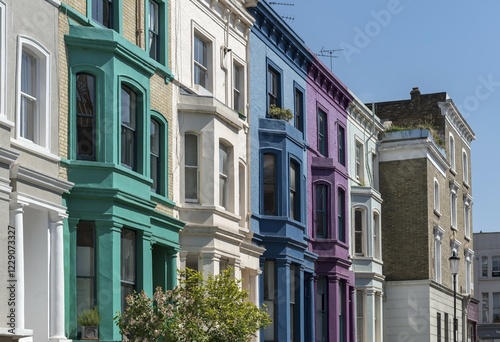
[162, 199]
[467, 237]
[455, 229]
[32, 148]
[466, 184]
[453, 171]
[437, 213]
[6, 122]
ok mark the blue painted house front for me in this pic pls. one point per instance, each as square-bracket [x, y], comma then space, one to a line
[278, 176]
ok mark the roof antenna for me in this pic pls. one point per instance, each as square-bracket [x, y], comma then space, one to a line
[329, 54]
[281, 3]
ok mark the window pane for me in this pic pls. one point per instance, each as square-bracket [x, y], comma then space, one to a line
[223, 175]
[486, 307]
[321, 132]
[294, 191]
[191, 167]
[85, 116]
[85, 265]
[320, 219]
[484, 266]
[28, 74]
[360, 316]
[358, 232]
[154, 31]
[269, 170]
[341, 143]
[155, 154]
[299, 101]
[128, 256]
[321, 309]
[102, 12]
[128, 124]
[28, 95]
[496, 307]
[341, 213]
[495, 263]
[269, 294]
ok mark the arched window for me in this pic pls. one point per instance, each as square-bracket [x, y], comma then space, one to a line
[320, 210]
[129, 113]
[33, 93]
[452, 152]
[86, 111]
[359, 232]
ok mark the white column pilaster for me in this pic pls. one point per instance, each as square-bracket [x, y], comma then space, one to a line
[56, 288]
[17, 222]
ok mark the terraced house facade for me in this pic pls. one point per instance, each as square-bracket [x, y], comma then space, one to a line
[140, 137]
[122, 234]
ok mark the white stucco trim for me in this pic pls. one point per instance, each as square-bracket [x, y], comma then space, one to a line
[413, 149]
[43, 88]
[3, 53]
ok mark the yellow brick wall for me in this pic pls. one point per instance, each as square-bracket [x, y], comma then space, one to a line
[130, 10]
[79, 5]
[63, 91]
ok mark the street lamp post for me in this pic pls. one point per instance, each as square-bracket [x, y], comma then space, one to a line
[454, 264]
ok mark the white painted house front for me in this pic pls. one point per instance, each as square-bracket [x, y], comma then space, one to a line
[31, 206]
[210, 96]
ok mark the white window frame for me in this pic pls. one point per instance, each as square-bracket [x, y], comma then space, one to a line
[42, 131]
[240, 88]
[438, 239]
[362, 232]
[377, 235]
[467, 216]
[485, 307]
[483, 263]
[493, 259]
[224, 176]
[359, 160]
[465, 167]
[454, 186]
[469, 256]
[437, 200]
[360, 316]
[452, 152]
[208, 40]
[154, 29]
[196, 167]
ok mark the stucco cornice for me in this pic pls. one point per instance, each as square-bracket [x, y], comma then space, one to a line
[329, 83]
[453, 116]
[363, 116]
[272, 29]
[39, 179]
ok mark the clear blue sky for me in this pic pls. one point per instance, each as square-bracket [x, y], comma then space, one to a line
[391, 46]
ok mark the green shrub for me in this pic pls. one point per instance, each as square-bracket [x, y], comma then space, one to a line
[89, 318]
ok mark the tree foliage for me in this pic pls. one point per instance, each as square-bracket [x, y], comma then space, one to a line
[197, 310]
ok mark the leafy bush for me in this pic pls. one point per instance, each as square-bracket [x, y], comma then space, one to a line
[211, 310]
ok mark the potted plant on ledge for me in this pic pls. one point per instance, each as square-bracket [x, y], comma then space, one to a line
[88, 320]
[280, 113]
